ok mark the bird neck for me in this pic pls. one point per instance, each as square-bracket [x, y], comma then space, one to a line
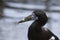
[41, 22]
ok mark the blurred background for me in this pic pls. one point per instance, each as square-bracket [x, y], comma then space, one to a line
[12, 11]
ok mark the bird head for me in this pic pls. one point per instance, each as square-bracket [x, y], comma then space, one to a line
[37, 14]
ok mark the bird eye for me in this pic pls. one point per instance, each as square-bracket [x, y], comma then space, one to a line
[34, 16]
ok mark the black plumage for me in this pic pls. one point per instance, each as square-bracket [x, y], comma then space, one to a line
[36, 30]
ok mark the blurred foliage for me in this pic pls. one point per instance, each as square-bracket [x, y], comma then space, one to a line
[2, 5]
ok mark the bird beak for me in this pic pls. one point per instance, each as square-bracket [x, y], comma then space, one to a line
[28, 18]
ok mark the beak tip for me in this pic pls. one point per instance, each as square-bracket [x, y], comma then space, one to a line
[20, 21]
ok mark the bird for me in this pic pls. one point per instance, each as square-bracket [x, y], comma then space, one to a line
[36, 31]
